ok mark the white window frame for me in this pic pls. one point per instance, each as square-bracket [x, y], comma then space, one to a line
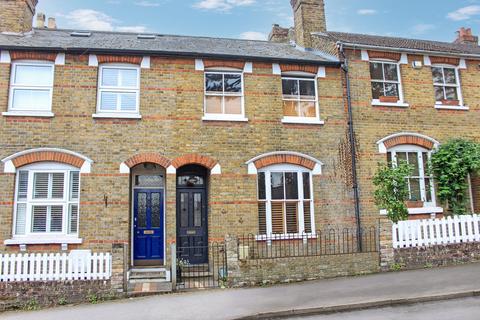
[419, 151]
[307, 120]
[13, 86]
[118, 113]
[31, 237]
[458, 86]
[223, 116]
[377, 102]
[287, 168]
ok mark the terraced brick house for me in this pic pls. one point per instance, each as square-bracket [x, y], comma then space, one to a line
[136, 141]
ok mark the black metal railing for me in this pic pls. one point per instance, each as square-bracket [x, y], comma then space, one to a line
[332, 241]
[209, 270]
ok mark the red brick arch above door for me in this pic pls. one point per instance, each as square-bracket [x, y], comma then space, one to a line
[405, 138]
[26, 157]
[284, 157]
[195, 158]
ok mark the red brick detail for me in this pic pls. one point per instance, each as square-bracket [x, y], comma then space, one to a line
[119, 59]
[408, 139]
[299, 68]
[384, 55]
[284, 158]
[194, 158]
[445, 60]
[53, 156]
[223, 64]
[148, 158]
[31, 55]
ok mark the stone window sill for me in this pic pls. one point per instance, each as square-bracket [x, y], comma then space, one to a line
[414, 211]
[279, 237]
[377, 103]
[299, 120]
[447, 107]
[43, 240]
[116, 116]
[38, 114]
[224, 117]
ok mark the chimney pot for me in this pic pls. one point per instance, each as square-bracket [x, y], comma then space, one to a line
[52, 23]
[40, 20]
[465, 36]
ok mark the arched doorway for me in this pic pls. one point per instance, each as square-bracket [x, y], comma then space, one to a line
[148, 210]
[192, 214]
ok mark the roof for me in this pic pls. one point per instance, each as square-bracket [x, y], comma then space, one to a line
[403, 43]
[113, 42]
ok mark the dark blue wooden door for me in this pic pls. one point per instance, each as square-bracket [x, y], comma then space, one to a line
[148, 227]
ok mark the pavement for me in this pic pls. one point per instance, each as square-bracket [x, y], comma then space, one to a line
[307, 298]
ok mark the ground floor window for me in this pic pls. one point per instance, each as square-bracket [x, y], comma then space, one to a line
[285, 200]
[420, 183]
[47, 200]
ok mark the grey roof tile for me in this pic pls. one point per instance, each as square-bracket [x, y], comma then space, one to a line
[162, 44]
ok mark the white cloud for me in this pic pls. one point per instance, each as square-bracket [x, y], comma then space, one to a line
[222, 5]
[422, 28]
[367, 12]
[146, 3]
[253, 35]
[464, 13]
[88, 19]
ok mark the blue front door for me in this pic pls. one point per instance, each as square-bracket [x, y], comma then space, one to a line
[148, 227]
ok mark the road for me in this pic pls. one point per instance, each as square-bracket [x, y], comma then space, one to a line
[464, 309]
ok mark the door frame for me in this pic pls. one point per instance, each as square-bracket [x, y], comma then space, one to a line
[205, 173]
[132, 212]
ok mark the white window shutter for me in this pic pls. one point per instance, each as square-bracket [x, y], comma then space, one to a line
[40, 185]
[21, 218]
[110, 77]
[73, 219]
[56, 218]
[74, 185]
[22, 188]
[39, 216]
[58, 185]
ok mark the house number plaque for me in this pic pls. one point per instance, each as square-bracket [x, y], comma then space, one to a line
[148, 232]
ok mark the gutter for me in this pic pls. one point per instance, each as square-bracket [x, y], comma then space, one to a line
[353, 148]
[172, 54]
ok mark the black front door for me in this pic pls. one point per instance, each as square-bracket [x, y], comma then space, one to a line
[192, 222]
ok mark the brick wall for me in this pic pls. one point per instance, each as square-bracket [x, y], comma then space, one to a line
[17, 15]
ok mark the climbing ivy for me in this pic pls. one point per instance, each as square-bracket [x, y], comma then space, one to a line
[391, 191]
[451, 164]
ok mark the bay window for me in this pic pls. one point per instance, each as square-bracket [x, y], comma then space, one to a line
[118, 90]
[285, 201]
[420, 183]
[31, 87]
[447, 85]
[224, 98]
[47, 201]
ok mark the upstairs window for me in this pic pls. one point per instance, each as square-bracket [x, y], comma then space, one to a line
[386, 86]
[224, 96]
[47, 200]
[119, 89]
[285, 200]
[447, 85]
[31, 87]
[299, 98]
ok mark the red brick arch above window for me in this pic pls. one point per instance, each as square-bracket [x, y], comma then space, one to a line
[384, 55]
[284, 157]
[119, 59]
[194, 158]
[31, 156]
[407, 138]
[299, 68]
[148, 158]
[223, 64]
[33, 55]
[445, 60]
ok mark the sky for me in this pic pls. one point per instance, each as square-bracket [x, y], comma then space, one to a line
[253, 19]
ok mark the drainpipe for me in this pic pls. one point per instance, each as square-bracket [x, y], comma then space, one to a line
[353, 149]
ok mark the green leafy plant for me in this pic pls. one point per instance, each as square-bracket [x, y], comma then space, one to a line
[92, 298]
[397, 267]
[451, 164]
[62, 301]
[392, 190]
[31, 305]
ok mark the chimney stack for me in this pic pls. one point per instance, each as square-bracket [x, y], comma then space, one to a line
[16, 16]
[279, 34]
[40, 20]
[309, 17]
[465, 36]
[52, 23]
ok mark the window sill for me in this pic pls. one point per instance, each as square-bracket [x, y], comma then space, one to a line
[295, 120]
[414, 211]
[116, 116]
[224, 118]
[377, 103]
[28, 114]
[447, 107]
[43, 240]
[278, 237]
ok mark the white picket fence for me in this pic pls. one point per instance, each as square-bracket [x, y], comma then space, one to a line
[419, 233]
[55, 267]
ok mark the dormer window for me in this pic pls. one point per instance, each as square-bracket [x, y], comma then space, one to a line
[31, 88]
